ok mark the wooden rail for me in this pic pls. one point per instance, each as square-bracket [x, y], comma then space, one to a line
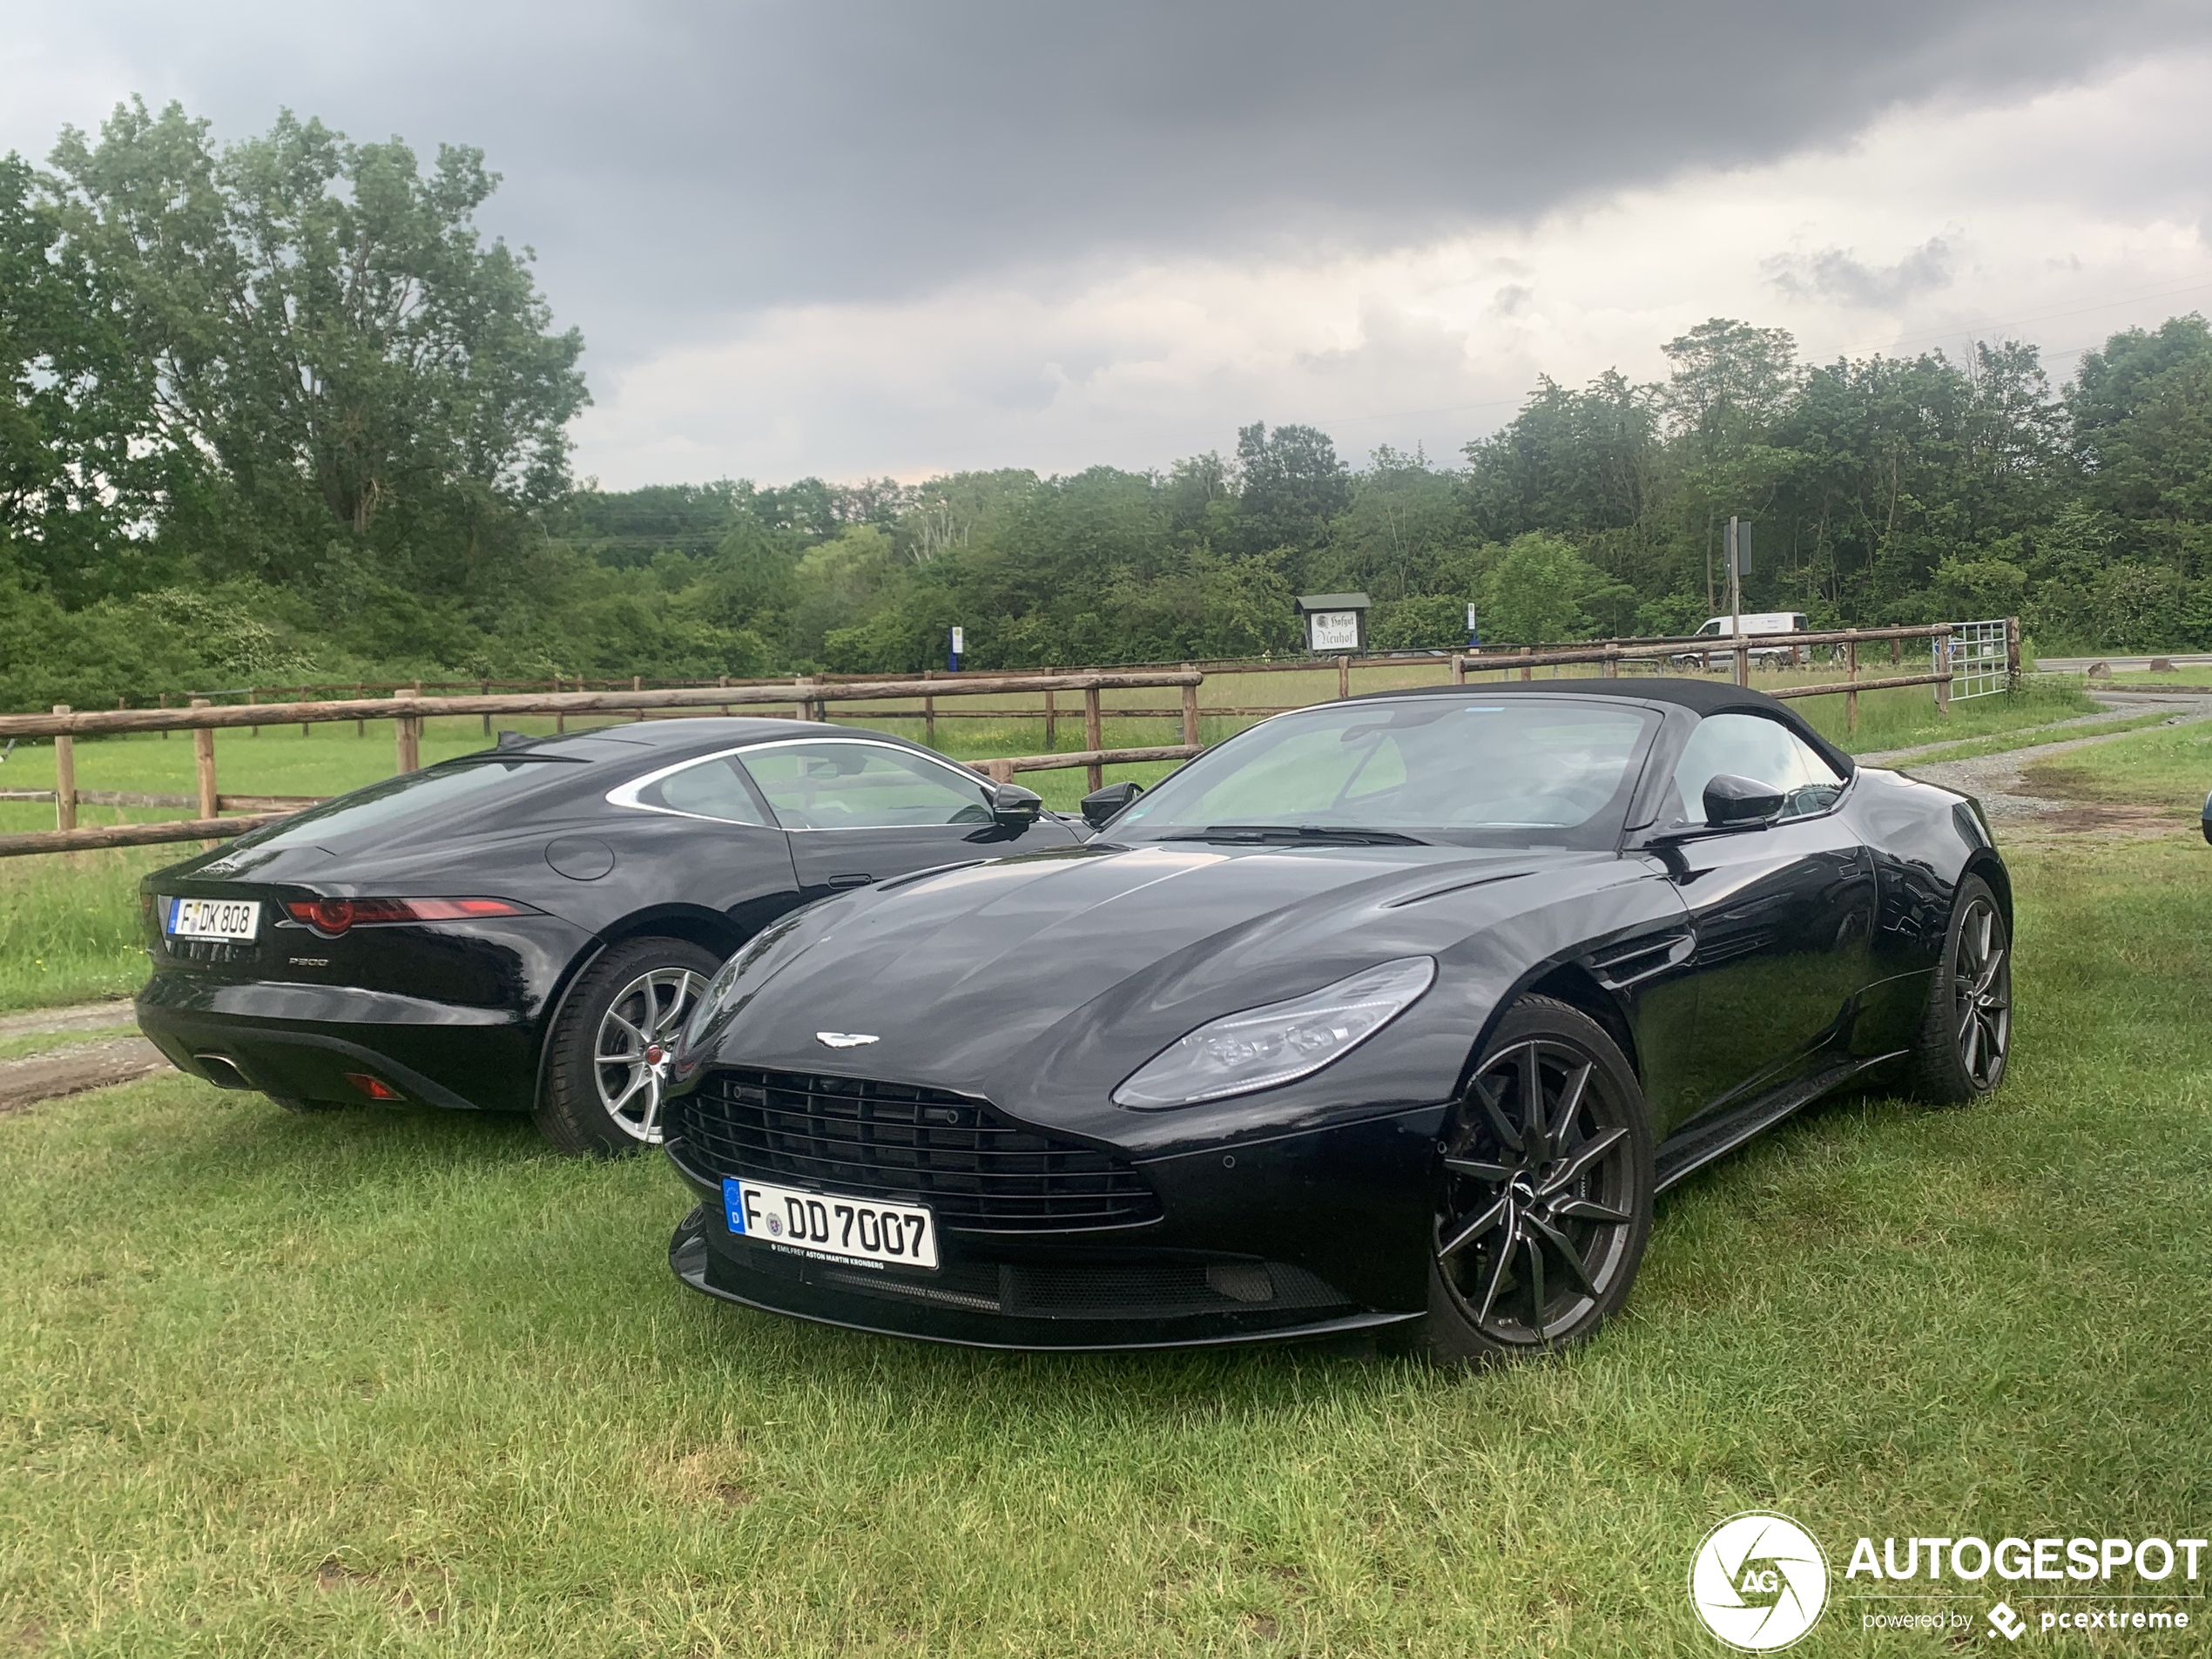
[808, 698]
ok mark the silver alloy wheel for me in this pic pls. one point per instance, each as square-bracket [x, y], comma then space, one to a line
[1981, 995]
[637, 1035]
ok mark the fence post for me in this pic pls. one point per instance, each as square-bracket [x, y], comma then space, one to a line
[2012, 653]
[1850, 697]
[1094, 735]
[1344, 677]
[999, 772]
[723, 683]
[929, 716]
[1742, 665]
[1526, 673]
[1939, 665]
[1459, 669]
[64, 778]
[1897, 652]
[1612, 661]
[486, 712]
[254, 696]
[637, 684]
[1190, 712]
[202, 759]
[407, 737]
[806, 703]
[1051, 724]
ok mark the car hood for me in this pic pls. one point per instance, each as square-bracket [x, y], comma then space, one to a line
[1053, 976]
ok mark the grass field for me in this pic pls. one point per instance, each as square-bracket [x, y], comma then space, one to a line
[68, 926]
[370, 1384]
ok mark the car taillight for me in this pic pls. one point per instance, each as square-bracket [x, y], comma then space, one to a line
[334, 916]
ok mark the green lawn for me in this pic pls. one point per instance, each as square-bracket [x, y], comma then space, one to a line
[369, 1382]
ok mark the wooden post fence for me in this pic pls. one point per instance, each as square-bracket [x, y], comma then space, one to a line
[1094, 736]
[407, 733]
[64, 778]
[810, 697]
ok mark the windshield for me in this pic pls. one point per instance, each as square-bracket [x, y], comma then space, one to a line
[1524, 772]
[440, 789]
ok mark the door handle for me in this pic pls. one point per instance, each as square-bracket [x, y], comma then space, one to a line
[854, 879]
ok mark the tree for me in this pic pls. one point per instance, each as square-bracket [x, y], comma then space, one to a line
[1535, 592]
[2142, 430]
[1289, 485]
[334, 350]
[75, 415]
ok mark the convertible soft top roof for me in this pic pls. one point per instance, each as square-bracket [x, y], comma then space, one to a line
[1700, 697]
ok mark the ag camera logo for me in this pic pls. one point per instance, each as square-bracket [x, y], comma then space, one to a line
[1759, 1581]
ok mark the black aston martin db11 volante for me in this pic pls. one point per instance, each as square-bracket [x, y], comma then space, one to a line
[526, 928]
[1395, 1011]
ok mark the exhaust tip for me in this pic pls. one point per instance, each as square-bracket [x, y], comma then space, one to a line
[222, 1071]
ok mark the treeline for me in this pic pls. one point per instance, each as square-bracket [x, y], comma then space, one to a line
[278, 411]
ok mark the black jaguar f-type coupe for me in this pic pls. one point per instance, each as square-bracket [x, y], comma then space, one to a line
[1395, 1011]
[526, 928]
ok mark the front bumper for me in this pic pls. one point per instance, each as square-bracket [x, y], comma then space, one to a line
[300, 1041]
[1309, 1234]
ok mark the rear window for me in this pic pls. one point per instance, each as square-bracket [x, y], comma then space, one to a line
[441, 789]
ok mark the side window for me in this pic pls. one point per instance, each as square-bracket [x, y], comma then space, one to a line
[1749, 745]
[712, 789]
[862, 786]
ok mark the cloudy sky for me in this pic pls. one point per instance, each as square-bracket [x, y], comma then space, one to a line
[893, 237]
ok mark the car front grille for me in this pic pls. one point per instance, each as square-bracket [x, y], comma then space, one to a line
[977, 1171]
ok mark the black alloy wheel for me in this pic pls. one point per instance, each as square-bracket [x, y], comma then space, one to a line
[1544, 1197]
[608, 1052]
[1967, 1032]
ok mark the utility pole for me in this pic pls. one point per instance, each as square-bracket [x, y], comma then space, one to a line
[1734, 575]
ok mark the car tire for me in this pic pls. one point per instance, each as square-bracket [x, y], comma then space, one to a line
[1538, 1226]
[607, 1053]
[1965, 1034]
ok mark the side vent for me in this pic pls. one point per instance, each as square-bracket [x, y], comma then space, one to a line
[1619, 967]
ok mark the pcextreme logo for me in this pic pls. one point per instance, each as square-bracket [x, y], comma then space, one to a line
[1759, 1581]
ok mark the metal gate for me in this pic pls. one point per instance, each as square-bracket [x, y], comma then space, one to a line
[1980, 658]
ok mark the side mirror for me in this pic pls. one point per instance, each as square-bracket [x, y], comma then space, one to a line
[1740, 803]
[1102, 803]
[1013, 807]
[2208, 818]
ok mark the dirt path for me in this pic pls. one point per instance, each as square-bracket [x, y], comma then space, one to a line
[75, 1068]
[73, 1063]
[84, 1016]
[1998, 781]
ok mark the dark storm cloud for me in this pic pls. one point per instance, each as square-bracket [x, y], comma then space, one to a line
[672, 162]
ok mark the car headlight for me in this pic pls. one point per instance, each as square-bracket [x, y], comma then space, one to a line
[1281, 1042]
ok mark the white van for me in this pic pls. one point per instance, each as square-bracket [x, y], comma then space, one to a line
[1753, 624]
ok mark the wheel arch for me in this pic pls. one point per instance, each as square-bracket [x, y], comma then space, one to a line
[1576, 986]
[711, 930]
[1990, 868]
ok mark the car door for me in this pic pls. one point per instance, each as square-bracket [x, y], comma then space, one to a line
[710, 831]
[1783, 914]
[859, 810]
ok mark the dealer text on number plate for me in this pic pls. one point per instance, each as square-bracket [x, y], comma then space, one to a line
[214, 918]
[828, 1223]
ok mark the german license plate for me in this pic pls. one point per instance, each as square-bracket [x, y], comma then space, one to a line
[827, 1223]
[234, 918]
